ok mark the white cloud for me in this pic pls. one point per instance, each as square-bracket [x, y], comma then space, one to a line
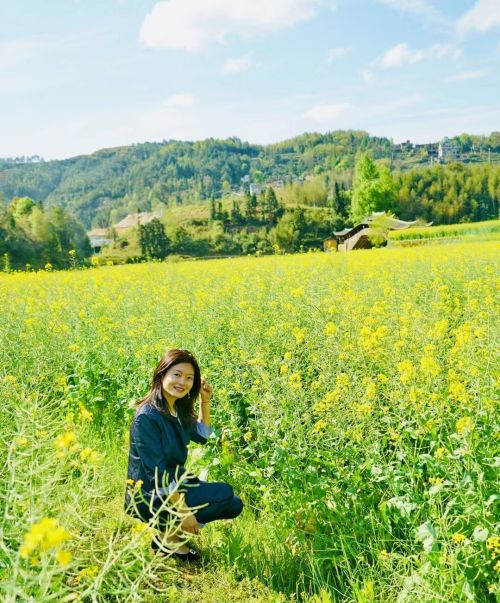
[484, 15]
[335, 53]
[417, 7]
[367, 76]
[467, 75]
[401, 54]
[239, 65]
[194, 25]
[179, 100]
[323, 113]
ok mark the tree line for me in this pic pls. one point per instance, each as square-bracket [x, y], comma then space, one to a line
[32, 237]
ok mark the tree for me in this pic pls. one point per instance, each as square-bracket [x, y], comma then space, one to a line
[373, 189]
[236, 215]
[250, 206]
[285, 235]
[340, 200]
[271, 209]
[153, 240]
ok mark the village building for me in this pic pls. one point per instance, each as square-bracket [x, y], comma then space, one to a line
[138, 218]
[99, 237]
[447, 150]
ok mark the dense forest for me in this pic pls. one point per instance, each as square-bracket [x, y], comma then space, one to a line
[31, 237]
[101, 188]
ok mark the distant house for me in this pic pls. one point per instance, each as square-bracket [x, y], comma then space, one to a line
[447, 150]
[99, 237]
[255, 188]
[139, 218]
[360, 236]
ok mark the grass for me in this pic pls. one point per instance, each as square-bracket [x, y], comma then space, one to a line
[355, 407]
[489, 227]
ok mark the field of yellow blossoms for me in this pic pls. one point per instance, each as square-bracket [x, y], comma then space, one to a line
[355, 406]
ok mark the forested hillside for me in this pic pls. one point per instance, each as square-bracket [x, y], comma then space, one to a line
[101, 188]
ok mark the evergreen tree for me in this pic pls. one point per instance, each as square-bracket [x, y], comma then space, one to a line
[273, 210]
[236, 215]
[250, 207]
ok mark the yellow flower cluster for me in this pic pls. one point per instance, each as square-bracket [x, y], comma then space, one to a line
[406, 371]
[371, 339]
[327, 403]
[464, 425]
[43, 536]
[295, 381]
[330, 329]
[85, 414]
[66, 444]
[458, 392]
[89, 572]
[430, 366]
[493, 545]
[68, 448]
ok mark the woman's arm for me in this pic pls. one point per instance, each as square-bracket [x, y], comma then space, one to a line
[145, 438]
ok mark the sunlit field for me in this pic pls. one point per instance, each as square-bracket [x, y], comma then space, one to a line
[355, 411]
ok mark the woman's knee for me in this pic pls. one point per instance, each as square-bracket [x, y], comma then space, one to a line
[235, 507]
[226, 492]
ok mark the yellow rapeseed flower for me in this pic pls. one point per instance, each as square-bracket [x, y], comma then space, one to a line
[63, 557]
[464, 425]
[330, 329]
[85, 414]
[295, 381]
[42, 536]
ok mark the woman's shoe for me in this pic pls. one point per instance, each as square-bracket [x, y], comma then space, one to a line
[190, 557]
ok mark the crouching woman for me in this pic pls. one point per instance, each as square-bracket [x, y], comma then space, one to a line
[159, 490]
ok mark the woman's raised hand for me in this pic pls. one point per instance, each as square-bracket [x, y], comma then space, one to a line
[205, 391]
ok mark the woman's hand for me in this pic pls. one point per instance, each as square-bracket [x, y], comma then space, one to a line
[205, 391]
[190, 524]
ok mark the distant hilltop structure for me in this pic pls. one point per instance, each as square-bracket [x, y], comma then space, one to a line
[441, 152]
[447, 150]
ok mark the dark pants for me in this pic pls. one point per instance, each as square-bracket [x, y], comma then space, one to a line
[218, 499]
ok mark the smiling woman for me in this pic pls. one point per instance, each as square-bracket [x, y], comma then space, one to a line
[159, 491]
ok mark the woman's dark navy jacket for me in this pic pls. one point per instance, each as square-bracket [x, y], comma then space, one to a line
[158, 449]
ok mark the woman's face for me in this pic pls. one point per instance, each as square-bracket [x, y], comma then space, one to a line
[178, 380]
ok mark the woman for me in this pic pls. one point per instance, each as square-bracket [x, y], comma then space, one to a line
[158, 487]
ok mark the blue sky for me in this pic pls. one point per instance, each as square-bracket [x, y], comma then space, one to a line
[80, 75]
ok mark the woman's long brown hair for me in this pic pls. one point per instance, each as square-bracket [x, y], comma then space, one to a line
[184, 405]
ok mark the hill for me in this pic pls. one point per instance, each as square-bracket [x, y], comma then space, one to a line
[101, 188]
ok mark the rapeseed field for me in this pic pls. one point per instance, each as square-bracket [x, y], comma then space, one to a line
[355, 407]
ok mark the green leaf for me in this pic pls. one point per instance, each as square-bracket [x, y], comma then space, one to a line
[427, 536]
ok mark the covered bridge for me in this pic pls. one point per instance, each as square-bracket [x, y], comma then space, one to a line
[361, 235]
